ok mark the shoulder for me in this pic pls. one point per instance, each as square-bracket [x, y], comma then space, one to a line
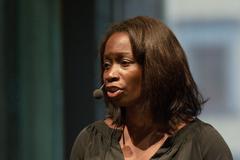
[204, 132]
[209, 141]
[86, 137]
[97, 127]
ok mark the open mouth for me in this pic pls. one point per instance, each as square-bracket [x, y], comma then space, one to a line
[113, 92]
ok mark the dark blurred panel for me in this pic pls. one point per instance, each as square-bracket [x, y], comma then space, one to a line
[30, 80]
[9, 130]
[78, 55]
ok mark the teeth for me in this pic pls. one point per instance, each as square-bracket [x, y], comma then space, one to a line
[113, 90]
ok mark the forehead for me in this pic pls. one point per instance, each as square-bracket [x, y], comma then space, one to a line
[118, 43]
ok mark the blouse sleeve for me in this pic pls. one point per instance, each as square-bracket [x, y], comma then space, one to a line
[214, 147]
[78, 149]
[204, 143]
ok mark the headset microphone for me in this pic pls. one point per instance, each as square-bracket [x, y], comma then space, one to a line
[98, 93]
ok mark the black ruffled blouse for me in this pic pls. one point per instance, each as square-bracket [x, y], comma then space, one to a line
[196, 141]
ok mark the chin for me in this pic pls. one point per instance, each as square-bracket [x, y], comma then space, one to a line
[122, 102]
[118, 103]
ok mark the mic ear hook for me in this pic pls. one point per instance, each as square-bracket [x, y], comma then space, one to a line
[102, 86]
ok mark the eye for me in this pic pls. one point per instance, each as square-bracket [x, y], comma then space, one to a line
[126, 62]
[106, 65]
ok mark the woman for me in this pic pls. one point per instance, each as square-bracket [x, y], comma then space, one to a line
[153, 101]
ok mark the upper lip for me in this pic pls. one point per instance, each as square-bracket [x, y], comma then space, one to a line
[112, 88]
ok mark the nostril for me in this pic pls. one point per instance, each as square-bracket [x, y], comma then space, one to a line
[112, 79]
[112, 74]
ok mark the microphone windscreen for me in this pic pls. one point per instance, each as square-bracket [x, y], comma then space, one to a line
[98, 93]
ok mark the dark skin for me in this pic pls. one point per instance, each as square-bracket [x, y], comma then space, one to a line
[122, 77]
[147, 130]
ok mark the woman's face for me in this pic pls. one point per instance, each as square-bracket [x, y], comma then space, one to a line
[122, 75]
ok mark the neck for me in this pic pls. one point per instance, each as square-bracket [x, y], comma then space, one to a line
[136, 117]
[141, 128]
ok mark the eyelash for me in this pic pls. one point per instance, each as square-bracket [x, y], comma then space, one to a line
[106, 65]
[123, 63]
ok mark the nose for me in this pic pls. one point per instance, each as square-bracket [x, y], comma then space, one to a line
[112, 74]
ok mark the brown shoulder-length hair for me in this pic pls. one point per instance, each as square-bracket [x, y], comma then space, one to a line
[168, 88]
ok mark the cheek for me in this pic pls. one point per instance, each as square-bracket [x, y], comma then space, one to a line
[104, 76]
[135, 82]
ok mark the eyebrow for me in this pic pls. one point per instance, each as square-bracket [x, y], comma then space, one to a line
[115, 54]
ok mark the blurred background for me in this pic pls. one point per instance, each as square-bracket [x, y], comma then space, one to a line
[49, 66]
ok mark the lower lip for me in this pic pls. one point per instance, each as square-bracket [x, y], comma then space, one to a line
[114, 94]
